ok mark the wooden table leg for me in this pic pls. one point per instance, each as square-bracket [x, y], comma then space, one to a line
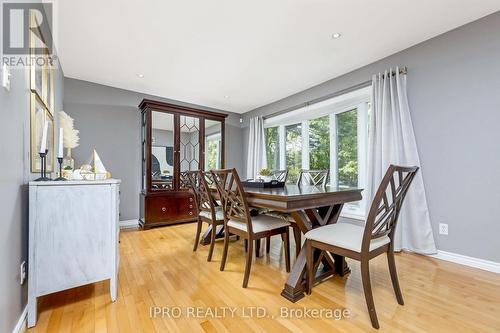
[294, 286]
[341, 267]
[297, 235]
[294, 290]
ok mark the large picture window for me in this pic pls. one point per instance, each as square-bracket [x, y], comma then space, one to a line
[331, 136]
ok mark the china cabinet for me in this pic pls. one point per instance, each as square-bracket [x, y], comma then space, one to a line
[175, 139]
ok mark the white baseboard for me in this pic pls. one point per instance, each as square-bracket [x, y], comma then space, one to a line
[21, 323]
[486, 265]
[129, 224]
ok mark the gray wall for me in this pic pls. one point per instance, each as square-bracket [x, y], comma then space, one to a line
[109, 121]
[14, 175]
[454, 94]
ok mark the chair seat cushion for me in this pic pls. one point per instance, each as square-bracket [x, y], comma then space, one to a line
[344, 235]
[260, 223]
[219, 215]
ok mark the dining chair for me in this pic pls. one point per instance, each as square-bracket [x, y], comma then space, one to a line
[189, 180]
[365, 243]
[237, 219]
[306, 177]
[313, 177]
[208, 210]
[280, 175]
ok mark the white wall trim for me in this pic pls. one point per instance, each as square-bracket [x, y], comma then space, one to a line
[486, 265]
[21, 323]
[128, 224]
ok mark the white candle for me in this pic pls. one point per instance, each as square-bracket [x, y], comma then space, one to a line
[61, 139]
[43, 143]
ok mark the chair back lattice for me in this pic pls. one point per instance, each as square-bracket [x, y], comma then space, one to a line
[313, 177]
[280, 175]
[387, 203]
[186, 178]
[233, 200]
[206, 199]
[190, 180]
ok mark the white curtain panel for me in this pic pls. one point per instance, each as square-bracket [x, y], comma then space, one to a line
[392, 141]
[256, 147]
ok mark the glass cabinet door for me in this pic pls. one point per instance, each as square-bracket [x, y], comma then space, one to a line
[213, 145]
[162, 151]
[189, 148]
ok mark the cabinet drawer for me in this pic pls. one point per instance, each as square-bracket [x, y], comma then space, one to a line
[160, 208]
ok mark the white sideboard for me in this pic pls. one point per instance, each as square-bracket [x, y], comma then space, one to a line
[73, 237]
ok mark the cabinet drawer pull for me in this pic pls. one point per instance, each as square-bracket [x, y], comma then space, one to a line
[190, 213]
[190, 206]
[163, 209]
[190, 199]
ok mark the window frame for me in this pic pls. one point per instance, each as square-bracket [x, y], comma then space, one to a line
[358, 100]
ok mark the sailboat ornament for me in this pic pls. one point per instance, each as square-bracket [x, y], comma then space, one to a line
[94, 169]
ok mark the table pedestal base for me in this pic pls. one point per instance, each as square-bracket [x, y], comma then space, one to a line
[332, 264]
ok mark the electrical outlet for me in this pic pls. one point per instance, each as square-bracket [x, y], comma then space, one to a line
[23, 272]
[443, 229]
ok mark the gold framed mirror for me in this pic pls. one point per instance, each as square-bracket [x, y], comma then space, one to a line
[38, 115]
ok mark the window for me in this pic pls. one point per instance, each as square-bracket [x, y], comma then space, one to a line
[328, 135]
[212, 154]
[347, 148]
[319, 143]
[293, 154]
[272, 148]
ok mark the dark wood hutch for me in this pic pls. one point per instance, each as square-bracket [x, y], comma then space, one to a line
[175, 139]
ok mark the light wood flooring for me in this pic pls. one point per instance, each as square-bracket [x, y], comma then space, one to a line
[159, 268]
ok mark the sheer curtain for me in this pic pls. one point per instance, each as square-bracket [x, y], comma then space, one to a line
[392, 141]
[256, 147]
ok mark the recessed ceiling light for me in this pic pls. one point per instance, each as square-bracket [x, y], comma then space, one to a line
[140, 76]
[336, 35]
[226, 96]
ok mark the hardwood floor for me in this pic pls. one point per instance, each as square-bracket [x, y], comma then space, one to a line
[159, 268]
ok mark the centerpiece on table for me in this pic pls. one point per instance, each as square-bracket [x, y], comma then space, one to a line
[265, 175]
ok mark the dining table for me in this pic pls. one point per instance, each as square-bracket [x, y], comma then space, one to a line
[310, 207]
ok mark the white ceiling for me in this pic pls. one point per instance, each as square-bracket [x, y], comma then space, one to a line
[237, 55]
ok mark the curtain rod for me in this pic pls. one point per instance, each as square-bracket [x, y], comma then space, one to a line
[402, 71]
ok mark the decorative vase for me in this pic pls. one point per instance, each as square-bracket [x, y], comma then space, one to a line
[68, 164]
[266, 179]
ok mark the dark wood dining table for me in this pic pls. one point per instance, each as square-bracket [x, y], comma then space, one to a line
[310, 207]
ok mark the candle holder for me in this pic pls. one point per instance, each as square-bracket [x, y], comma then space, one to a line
[60, 161]
[43, 168]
